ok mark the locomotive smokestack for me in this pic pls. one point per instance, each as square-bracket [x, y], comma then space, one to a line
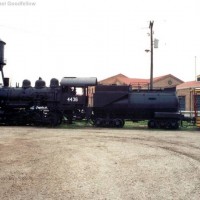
[2, 61]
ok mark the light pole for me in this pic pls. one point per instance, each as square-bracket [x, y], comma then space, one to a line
[151, 45]
[151, 55]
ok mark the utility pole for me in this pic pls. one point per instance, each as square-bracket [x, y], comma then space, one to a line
[195, 65]
[151, 45]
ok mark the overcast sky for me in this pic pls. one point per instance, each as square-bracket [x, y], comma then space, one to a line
[99, 38]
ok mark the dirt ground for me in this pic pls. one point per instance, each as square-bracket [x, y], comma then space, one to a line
[40, 163]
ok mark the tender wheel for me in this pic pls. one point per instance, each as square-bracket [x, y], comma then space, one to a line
[98, 122]
[152, 124]
[174, 125]
[119, 123]
[162, 124]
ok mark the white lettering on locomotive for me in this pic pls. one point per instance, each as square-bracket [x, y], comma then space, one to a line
[72, 99]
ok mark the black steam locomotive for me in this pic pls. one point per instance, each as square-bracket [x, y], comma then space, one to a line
[112, 105]
[106, 106]
[41, 105]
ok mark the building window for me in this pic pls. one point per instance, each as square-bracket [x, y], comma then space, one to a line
[198, 102]
[181, 103]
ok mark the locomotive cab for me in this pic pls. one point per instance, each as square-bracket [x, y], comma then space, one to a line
[75, 96]
[76, 89]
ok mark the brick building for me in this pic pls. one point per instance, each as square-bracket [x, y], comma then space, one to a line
[166, 81]
[185, 92]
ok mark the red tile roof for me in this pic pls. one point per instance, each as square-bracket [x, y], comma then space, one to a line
[135, 81]
[190, 84]
[122, 79]
[166, 76]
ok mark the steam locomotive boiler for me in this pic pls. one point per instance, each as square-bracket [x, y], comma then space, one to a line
[115, 104]
[41, 105]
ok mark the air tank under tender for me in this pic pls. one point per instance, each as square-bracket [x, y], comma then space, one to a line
[2, 43]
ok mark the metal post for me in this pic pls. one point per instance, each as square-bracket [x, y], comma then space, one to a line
[151, 45]
[195, 65]
[2, 74]
[2, 62]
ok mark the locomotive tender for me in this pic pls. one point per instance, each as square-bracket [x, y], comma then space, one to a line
[107, 106]
[115, 104]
